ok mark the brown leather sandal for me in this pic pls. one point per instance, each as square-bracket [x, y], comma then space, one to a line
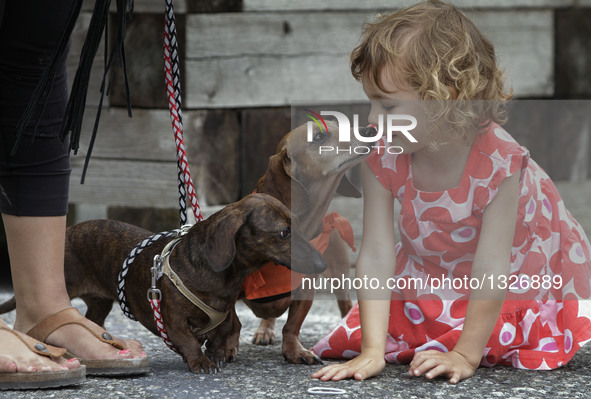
[95, 367]
[40, 379]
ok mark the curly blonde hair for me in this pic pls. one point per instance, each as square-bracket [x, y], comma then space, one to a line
[432, 47]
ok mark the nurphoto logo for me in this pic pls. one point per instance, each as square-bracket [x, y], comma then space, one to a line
[370, 134]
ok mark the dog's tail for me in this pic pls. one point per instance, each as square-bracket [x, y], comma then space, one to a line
[8, 306]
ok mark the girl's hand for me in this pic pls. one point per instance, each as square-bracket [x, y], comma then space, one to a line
[360, 368]
[451, 364]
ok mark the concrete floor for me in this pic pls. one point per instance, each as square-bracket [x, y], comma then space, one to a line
[261, 372]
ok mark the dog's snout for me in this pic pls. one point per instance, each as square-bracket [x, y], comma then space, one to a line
[368, 131]
[304, 258]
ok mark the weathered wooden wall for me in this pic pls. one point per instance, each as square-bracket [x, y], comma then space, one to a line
[244, 62]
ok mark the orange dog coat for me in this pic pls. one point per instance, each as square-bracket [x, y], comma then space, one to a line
[275, 279]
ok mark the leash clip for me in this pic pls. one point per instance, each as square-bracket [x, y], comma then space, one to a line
[153, 292]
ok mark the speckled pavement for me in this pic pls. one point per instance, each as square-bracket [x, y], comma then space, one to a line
[261, 372]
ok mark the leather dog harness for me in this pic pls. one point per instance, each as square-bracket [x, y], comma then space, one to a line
[162, 267]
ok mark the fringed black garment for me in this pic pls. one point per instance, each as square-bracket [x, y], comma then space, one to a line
[77, 101]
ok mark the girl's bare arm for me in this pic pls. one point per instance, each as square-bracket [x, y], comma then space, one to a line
[492, 257]
[377, 259]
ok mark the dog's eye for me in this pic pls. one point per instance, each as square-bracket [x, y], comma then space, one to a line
[286, 232]
[319, 137]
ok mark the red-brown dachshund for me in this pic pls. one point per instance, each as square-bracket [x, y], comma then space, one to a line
[305, 180]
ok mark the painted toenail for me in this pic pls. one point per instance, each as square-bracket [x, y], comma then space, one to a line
[74, 359]
[124, 352]
[40, 347]
[107, 336]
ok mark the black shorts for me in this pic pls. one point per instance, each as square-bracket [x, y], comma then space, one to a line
[34, 181]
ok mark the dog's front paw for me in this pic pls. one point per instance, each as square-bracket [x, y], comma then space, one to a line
[203, 365]
[231, 353]
[296, 353]
[265, 337]
[221, 356]
[265, 334]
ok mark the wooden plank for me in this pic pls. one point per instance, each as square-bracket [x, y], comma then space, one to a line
[301, 33]
[338, 32]
[314, 5]
[262, 130]
[557, 134]
[281, 69]
[208, 6]
[573, 53]
[213, 143]
[142, 6]
[577, 197]
[211, 140]
[180, 6]
[528, 126]
[524, 45]
[145, 65]
[569, 122]
[261, 81]
[122, 182]
[145, 136]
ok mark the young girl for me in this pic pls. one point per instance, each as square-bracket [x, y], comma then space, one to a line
[474, 209]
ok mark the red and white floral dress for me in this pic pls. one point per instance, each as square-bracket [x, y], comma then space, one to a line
[546, 316]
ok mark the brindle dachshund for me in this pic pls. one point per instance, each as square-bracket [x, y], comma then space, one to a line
[212, 260]
[306, 180]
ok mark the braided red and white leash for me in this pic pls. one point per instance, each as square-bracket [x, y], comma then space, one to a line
[173, 91]
[155, 305]
[185, 183]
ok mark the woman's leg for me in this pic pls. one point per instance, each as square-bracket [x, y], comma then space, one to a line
[36, 247]
[15, 357]
[34, 180]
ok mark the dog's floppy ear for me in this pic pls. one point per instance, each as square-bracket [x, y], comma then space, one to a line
[299, 192]
[285, 160]
[220, 245]
[348, 189]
